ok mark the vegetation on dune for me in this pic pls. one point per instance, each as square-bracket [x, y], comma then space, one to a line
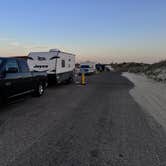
[156, 71]
[130, 67]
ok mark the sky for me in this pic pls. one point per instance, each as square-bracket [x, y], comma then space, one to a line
[96, 30]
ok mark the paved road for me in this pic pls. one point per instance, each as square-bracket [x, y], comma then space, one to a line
[96, 125]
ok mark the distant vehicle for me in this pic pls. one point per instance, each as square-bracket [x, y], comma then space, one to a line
[16, 79]
[109, 68]
[100, 67]
[58, 65]
[87, 68]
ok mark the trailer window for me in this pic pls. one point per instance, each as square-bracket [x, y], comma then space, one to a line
[41, 58]
[63, 63]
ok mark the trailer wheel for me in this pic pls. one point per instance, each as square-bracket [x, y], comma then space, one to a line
[70, 80]
[39, 91]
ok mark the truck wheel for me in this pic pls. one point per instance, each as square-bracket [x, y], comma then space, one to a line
[39, 91]
[2, 101]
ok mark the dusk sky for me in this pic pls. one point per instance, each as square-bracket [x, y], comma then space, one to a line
[96, 30]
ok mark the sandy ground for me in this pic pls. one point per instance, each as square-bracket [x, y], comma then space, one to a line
[150, 95]
[99, 124]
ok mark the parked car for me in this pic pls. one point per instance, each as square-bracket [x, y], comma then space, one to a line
[87, 68]
[100, 67]
[17, 80]
[58, 65]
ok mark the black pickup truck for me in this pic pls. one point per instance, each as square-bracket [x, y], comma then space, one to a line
[17, 80]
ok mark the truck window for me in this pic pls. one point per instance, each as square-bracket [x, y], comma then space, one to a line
[23, 65]
[11, 63]
[63, 63]
[0, 61]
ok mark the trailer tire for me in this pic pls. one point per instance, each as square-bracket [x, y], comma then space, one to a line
[39, 91]
[70, 80]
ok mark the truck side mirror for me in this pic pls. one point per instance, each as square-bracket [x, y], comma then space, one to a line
[12, 70]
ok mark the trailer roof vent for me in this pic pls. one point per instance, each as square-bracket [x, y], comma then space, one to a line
[54, 50]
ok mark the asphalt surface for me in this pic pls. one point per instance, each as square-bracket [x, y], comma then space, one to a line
[99, 124]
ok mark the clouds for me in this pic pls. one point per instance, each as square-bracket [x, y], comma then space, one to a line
[142, 50]
[15, 44]
[10, 42]
[5, 39]
[14, 47]
[40, 47]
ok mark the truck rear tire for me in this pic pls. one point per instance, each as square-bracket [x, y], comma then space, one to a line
[39, 91]
[2, 101]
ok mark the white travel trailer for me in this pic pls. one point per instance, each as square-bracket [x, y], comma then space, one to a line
[88, 67]
[58, 65]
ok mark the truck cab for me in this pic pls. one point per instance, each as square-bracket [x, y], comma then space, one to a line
[16, 79]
